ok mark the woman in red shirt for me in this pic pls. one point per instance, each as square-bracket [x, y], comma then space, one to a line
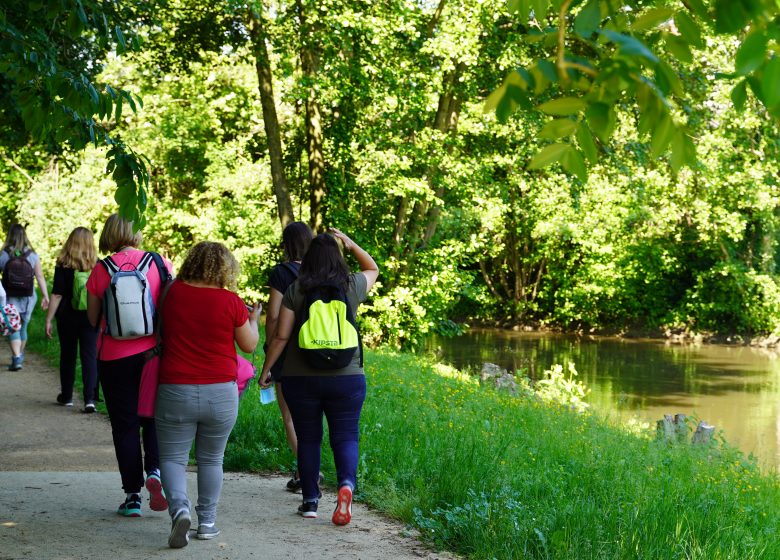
[202, 321]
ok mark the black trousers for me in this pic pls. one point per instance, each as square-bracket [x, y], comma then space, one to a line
[77, 335]
[120, 380]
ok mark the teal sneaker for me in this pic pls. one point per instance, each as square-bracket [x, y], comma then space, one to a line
[131, 507]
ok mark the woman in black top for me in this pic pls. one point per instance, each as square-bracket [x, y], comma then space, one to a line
[295, 241]
[76, 259]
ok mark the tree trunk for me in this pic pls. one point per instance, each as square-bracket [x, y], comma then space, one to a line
[270, 119]
[314, 139]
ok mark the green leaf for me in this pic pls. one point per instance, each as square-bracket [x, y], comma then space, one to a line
[588, 20]
[678, 48]
[689, 29]
[652, 18]
[665, 73]
[118, 109]
[120, 37]
[629, 46]
[698, 8]
[521, 8]
[683, 151]
[492, 100]
[587, 145]
[662, 135]
[563, 106]
[557, 128]
[573, 163]
[770, 82]
[601, 118]
[739, 95]
[751, 53]
[548, 155]
[540, 8]
[730, 16]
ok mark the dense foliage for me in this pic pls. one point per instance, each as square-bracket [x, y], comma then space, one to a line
[379, 110]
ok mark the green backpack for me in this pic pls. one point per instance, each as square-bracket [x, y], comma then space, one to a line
[328, 336]
[79, 298]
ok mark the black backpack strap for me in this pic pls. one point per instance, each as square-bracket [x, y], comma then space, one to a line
[165, 275]
[110, 266]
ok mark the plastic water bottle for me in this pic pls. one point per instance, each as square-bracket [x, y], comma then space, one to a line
[268, 395]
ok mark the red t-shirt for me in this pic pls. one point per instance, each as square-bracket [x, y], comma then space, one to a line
[198, 329]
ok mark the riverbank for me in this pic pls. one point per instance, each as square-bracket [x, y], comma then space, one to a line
[674, 336]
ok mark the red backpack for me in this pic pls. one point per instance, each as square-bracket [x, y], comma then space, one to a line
[18, 274]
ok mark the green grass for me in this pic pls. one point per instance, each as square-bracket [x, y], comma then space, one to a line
[495, 476]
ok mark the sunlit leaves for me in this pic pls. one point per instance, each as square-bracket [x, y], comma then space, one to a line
[548, 155]
[770, 83]
[630, 46]
[588, 19]
[751, 53]
[652, 18]
[558, 128]
[563, 106]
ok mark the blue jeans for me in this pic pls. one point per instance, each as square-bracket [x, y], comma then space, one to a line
[204, 414]
[340, 398]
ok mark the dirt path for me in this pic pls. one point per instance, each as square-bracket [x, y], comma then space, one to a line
[59, 489]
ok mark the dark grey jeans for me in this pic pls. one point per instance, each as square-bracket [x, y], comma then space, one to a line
[205, 414]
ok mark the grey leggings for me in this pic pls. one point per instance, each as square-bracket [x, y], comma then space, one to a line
[205, 414]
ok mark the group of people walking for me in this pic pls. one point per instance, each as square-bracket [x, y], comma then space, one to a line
[199, 322]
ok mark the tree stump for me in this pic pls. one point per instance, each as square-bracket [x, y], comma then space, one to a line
[676, 429]
[672, 428]
[703, 434]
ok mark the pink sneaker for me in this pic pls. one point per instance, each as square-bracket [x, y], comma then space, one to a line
[157, 499]
[343, 512]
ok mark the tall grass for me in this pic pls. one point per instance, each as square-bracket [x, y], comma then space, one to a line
[495, 476]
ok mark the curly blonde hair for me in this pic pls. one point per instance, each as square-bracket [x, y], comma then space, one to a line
[210, 263]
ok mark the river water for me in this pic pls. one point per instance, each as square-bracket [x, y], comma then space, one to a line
[734, 388]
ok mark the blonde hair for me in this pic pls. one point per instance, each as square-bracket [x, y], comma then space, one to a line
[211, 263]
[17, 239]
[78, 252]
[118, 233]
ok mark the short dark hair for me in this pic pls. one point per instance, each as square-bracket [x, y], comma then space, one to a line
[323, 263]
[295, 240]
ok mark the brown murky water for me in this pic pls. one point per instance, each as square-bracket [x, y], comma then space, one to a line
[735, 388]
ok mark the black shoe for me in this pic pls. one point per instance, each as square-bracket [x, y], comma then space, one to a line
[308, 510]
[89, 408]
[294, 484]
[63, 402]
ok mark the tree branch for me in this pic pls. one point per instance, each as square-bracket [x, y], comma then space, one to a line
[561, 38]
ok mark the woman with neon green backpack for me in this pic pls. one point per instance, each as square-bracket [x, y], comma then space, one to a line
[323, 371]
[68, 304]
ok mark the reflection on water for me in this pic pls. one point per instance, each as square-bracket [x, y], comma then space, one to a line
[735, 388]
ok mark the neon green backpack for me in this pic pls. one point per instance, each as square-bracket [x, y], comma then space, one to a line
[78, 299]
[328, 336]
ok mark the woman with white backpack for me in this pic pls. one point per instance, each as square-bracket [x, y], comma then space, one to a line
[121, 353]
[68, 304]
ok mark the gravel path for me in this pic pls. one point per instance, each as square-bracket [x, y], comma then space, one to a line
[59, 489]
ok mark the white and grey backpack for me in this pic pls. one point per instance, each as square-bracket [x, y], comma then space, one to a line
[127, 301]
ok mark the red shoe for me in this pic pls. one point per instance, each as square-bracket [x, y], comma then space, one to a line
[343, 512]
[157, 499]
